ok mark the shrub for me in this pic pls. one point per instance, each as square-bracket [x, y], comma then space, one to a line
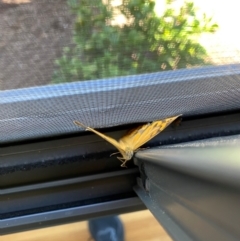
[145, 43]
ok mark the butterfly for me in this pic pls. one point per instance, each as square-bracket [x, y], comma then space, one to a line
[130, 143]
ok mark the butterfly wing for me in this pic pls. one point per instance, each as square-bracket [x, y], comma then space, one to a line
[142, 134]
[119, 146]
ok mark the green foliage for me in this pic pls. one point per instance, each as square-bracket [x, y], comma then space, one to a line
[145, 43]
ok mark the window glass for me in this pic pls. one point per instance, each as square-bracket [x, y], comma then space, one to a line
[113, 62]
[45, 42]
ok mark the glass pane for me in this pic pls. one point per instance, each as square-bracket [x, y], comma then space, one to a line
[55, 41]
[113, 62]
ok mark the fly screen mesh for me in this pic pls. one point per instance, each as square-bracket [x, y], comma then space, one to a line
[113, 62]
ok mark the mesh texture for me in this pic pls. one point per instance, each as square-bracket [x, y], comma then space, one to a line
[33, 37]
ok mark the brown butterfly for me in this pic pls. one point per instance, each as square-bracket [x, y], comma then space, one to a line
[134, 138]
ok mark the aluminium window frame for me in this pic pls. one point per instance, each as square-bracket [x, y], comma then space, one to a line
[117, 101]
[56, 159]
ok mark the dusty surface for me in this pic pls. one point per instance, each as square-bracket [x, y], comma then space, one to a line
[32, 37]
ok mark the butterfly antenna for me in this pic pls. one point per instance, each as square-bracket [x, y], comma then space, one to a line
[115, 153]
[80, 124]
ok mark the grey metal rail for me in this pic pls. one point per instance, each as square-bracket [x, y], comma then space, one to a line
[219, 162]
[47, 111]
[193, 191]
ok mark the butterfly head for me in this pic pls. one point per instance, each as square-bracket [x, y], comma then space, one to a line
[128, 154]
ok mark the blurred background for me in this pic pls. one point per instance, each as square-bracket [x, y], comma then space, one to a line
[140, 226]
[54, 41]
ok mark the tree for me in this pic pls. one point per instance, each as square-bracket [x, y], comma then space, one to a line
[145, 43]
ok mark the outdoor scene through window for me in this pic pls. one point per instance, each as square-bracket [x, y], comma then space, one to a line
[46, 42]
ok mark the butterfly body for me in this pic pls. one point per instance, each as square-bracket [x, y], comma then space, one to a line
[134, 138]
[127, 155]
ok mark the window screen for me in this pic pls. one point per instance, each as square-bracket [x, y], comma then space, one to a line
[109, 63]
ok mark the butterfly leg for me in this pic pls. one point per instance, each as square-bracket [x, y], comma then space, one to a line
[123, 160]
[114, 153]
